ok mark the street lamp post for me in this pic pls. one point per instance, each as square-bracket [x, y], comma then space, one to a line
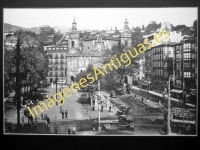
[56, 88]
[168, 120]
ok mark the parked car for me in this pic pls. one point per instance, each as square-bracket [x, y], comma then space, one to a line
[112, 94]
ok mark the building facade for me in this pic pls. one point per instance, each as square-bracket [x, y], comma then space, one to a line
[72, 54]
[185, 64]
[126, 35]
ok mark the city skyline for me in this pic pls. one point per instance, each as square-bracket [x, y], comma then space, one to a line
[98, 18]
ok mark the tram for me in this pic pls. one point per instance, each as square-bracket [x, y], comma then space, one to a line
[182, 120]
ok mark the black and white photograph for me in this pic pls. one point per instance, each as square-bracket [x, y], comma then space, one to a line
[128, 71]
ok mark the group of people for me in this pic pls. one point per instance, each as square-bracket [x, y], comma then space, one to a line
[68, 131]
[111, 108]
[64, 113]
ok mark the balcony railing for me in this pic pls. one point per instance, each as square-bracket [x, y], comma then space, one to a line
[61, 68]
[61, 57]
[61, 62]
[56, 57]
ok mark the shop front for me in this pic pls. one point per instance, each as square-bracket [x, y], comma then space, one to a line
[145, 85]
[176, 93]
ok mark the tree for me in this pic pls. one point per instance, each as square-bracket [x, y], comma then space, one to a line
[143, 28]
[152, 27]
[57, 36]
[36, 65]
[122, 71]
[137, 29]
[195, 27]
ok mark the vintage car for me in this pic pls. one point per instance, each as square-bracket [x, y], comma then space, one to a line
[128, 89]
[122, 121]
[123, 109]
[112, 94]
[120, 90]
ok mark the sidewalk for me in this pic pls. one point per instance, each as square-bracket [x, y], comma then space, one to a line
[161, 95]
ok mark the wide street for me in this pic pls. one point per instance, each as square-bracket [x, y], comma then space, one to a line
[81, 115]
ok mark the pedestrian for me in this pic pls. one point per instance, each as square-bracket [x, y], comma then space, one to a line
[74, 130]
[60, 109]
[42, 115]
[48, 121]
[101, 108]
[55, 127]
[25, 113]
[110, 108]
[69, 131]
[36, 120]
[113, 108]
[63, 114]
[66, 113]
[22, 121]
[142, 99]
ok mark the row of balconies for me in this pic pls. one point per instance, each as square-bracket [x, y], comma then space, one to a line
[61, 57]
[51, 69]
[54, 75]
[56, 63]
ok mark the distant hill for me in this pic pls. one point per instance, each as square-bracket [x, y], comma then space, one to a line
[9, 27]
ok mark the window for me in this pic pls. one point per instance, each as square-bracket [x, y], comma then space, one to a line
[186, 65]
[186, 46]
[178, 65]
[187, 74]
[187, 56]
[178, 56]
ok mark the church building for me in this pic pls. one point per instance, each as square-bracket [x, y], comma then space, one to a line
[72, 54]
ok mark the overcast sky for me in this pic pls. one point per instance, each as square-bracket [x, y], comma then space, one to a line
[99, 18]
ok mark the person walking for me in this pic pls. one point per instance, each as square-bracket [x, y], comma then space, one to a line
[42, 115]
[36, 120]
[66, 113]
[69, 131]
[63, 114]
[110, 108]
[61, 109]
[74, 130]
[48, 121]
[55, 127]
[22, 121]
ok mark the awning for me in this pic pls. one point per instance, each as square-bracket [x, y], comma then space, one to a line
[145, 82]
[176, 91]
